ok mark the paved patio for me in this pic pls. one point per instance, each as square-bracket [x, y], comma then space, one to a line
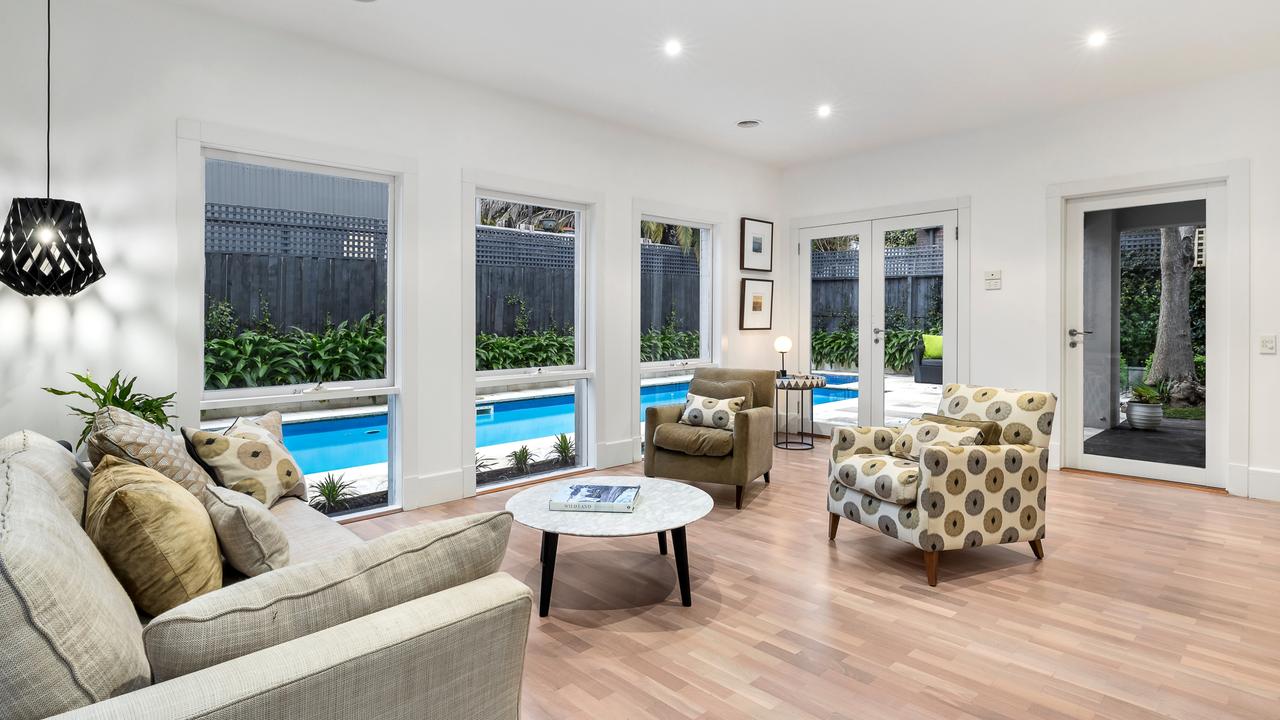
[904, 399]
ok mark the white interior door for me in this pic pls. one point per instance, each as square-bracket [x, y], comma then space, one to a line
[912, 279]
[1118, 264]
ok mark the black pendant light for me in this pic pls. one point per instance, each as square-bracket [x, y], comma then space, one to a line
[46, 248]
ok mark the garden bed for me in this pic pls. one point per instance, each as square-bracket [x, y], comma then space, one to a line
[498, 475]
[361, 502]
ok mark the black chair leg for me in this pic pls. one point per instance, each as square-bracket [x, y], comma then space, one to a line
[766, 478]
[737, 489]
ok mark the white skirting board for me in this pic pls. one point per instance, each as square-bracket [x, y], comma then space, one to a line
[432, 489]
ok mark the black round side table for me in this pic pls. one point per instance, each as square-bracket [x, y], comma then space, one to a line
[804, 385]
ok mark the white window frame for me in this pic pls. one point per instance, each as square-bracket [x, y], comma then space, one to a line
[576, 370]
[706, 295]
[587, 329]
[195, 141]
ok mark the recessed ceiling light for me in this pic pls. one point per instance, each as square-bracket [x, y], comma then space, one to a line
[673, 48]
[824, 111]
[748, 124]
[1097, 38]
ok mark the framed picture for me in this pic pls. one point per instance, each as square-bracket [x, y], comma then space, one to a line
[757, 245]
[757, 305]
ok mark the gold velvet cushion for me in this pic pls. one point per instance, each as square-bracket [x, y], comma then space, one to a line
[247, 461]
[990, 430]
[919, 434]
[155, 536]
[704, 411]
[121, 434]
[724, 389]
[693, 440]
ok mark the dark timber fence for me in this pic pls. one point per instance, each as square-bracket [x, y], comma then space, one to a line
[913, 286]
[537, 268]
[308, 268]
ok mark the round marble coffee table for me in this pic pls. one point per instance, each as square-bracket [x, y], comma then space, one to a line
[662, 505]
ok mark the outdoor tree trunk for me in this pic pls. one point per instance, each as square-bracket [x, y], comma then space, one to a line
[1174, 360]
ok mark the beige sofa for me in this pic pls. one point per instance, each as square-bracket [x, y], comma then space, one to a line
[703, 454]
[415, 624]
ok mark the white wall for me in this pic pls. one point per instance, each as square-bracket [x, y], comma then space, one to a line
[1006, 171]
[126, 71]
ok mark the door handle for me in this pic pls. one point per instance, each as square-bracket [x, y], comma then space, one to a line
[1077, 336]
[875, 334]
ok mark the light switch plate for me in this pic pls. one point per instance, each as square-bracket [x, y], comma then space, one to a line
[991, 279]
[1267, 345]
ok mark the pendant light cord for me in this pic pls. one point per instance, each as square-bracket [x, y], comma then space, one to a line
[48, 98]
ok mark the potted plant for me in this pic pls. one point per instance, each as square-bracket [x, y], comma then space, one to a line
[117, 393]
[1146, 408]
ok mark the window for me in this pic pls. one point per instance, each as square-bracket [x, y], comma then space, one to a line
[532, 378]
[298, 300]
[675, 292]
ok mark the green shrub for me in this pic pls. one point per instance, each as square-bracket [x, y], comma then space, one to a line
[332, 493]
[564, 450]
[117, 393]
[346, 351]
[839, 348]
[522, 459]
[539, 349]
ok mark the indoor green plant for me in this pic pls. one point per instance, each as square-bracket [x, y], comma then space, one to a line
[1145, 410]
[118, 393]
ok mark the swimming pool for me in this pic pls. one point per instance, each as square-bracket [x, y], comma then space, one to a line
[344, 442]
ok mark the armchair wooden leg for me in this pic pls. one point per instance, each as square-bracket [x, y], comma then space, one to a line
[766, 478]
[931, 566]
[833, 522]
[737, 489]
[1038, 549]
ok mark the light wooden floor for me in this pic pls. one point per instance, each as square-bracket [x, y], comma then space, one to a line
[1152, 601]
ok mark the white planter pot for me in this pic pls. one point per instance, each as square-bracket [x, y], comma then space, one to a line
[1143, 416]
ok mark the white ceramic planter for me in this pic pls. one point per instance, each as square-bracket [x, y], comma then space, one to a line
[1143, 416]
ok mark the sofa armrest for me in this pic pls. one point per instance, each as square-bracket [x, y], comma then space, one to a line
[653, 417]
[753, 430]
[861, 440]
[996, 491]
[299, 600]
[454, 654]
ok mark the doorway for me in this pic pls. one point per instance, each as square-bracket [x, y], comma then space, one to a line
[879, 306]
[1144, 349]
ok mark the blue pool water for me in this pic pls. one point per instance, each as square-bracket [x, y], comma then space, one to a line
[323, 445]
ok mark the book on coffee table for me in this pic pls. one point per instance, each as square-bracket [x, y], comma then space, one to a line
[595, 498]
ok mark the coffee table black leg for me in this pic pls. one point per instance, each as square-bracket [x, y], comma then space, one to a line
[682, 565]
[549, 540]
[662, 543]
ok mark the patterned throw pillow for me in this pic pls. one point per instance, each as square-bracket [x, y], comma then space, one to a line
[120, 434]
[250, 462]
[919, 434]
[267, 427]
[709, 412]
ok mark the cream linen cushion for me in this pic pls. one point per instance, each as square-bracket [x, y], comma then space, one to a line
[156, 537]
[919, 434]
[301, 599]
[56, 464]
[253, 463]
[121, 434]
[248, 534]
[69, 633]
[704, 411]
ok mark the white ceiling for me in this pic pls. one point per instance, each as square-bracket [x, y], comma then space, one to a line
[894, 70]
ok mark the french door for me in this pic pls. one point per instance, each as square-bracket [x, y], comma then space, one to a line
[880, 310]
[1144, 371]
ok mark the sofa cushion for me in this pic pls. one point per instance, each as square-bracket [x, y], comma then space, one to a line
[269, 426]
[881, 476]
[990, 430]
[121, 434]
[724, 389]
[70, 634]
[155, 535]
[1023, 417]
[710, 412]
[919, 433]
[693, 440]
[301, 599]
[312, 535]
[253, 463]
[56, 464]
[248, 534]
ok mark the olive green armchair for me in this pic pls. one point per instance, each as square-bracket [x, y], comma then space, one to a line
[700, 454]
